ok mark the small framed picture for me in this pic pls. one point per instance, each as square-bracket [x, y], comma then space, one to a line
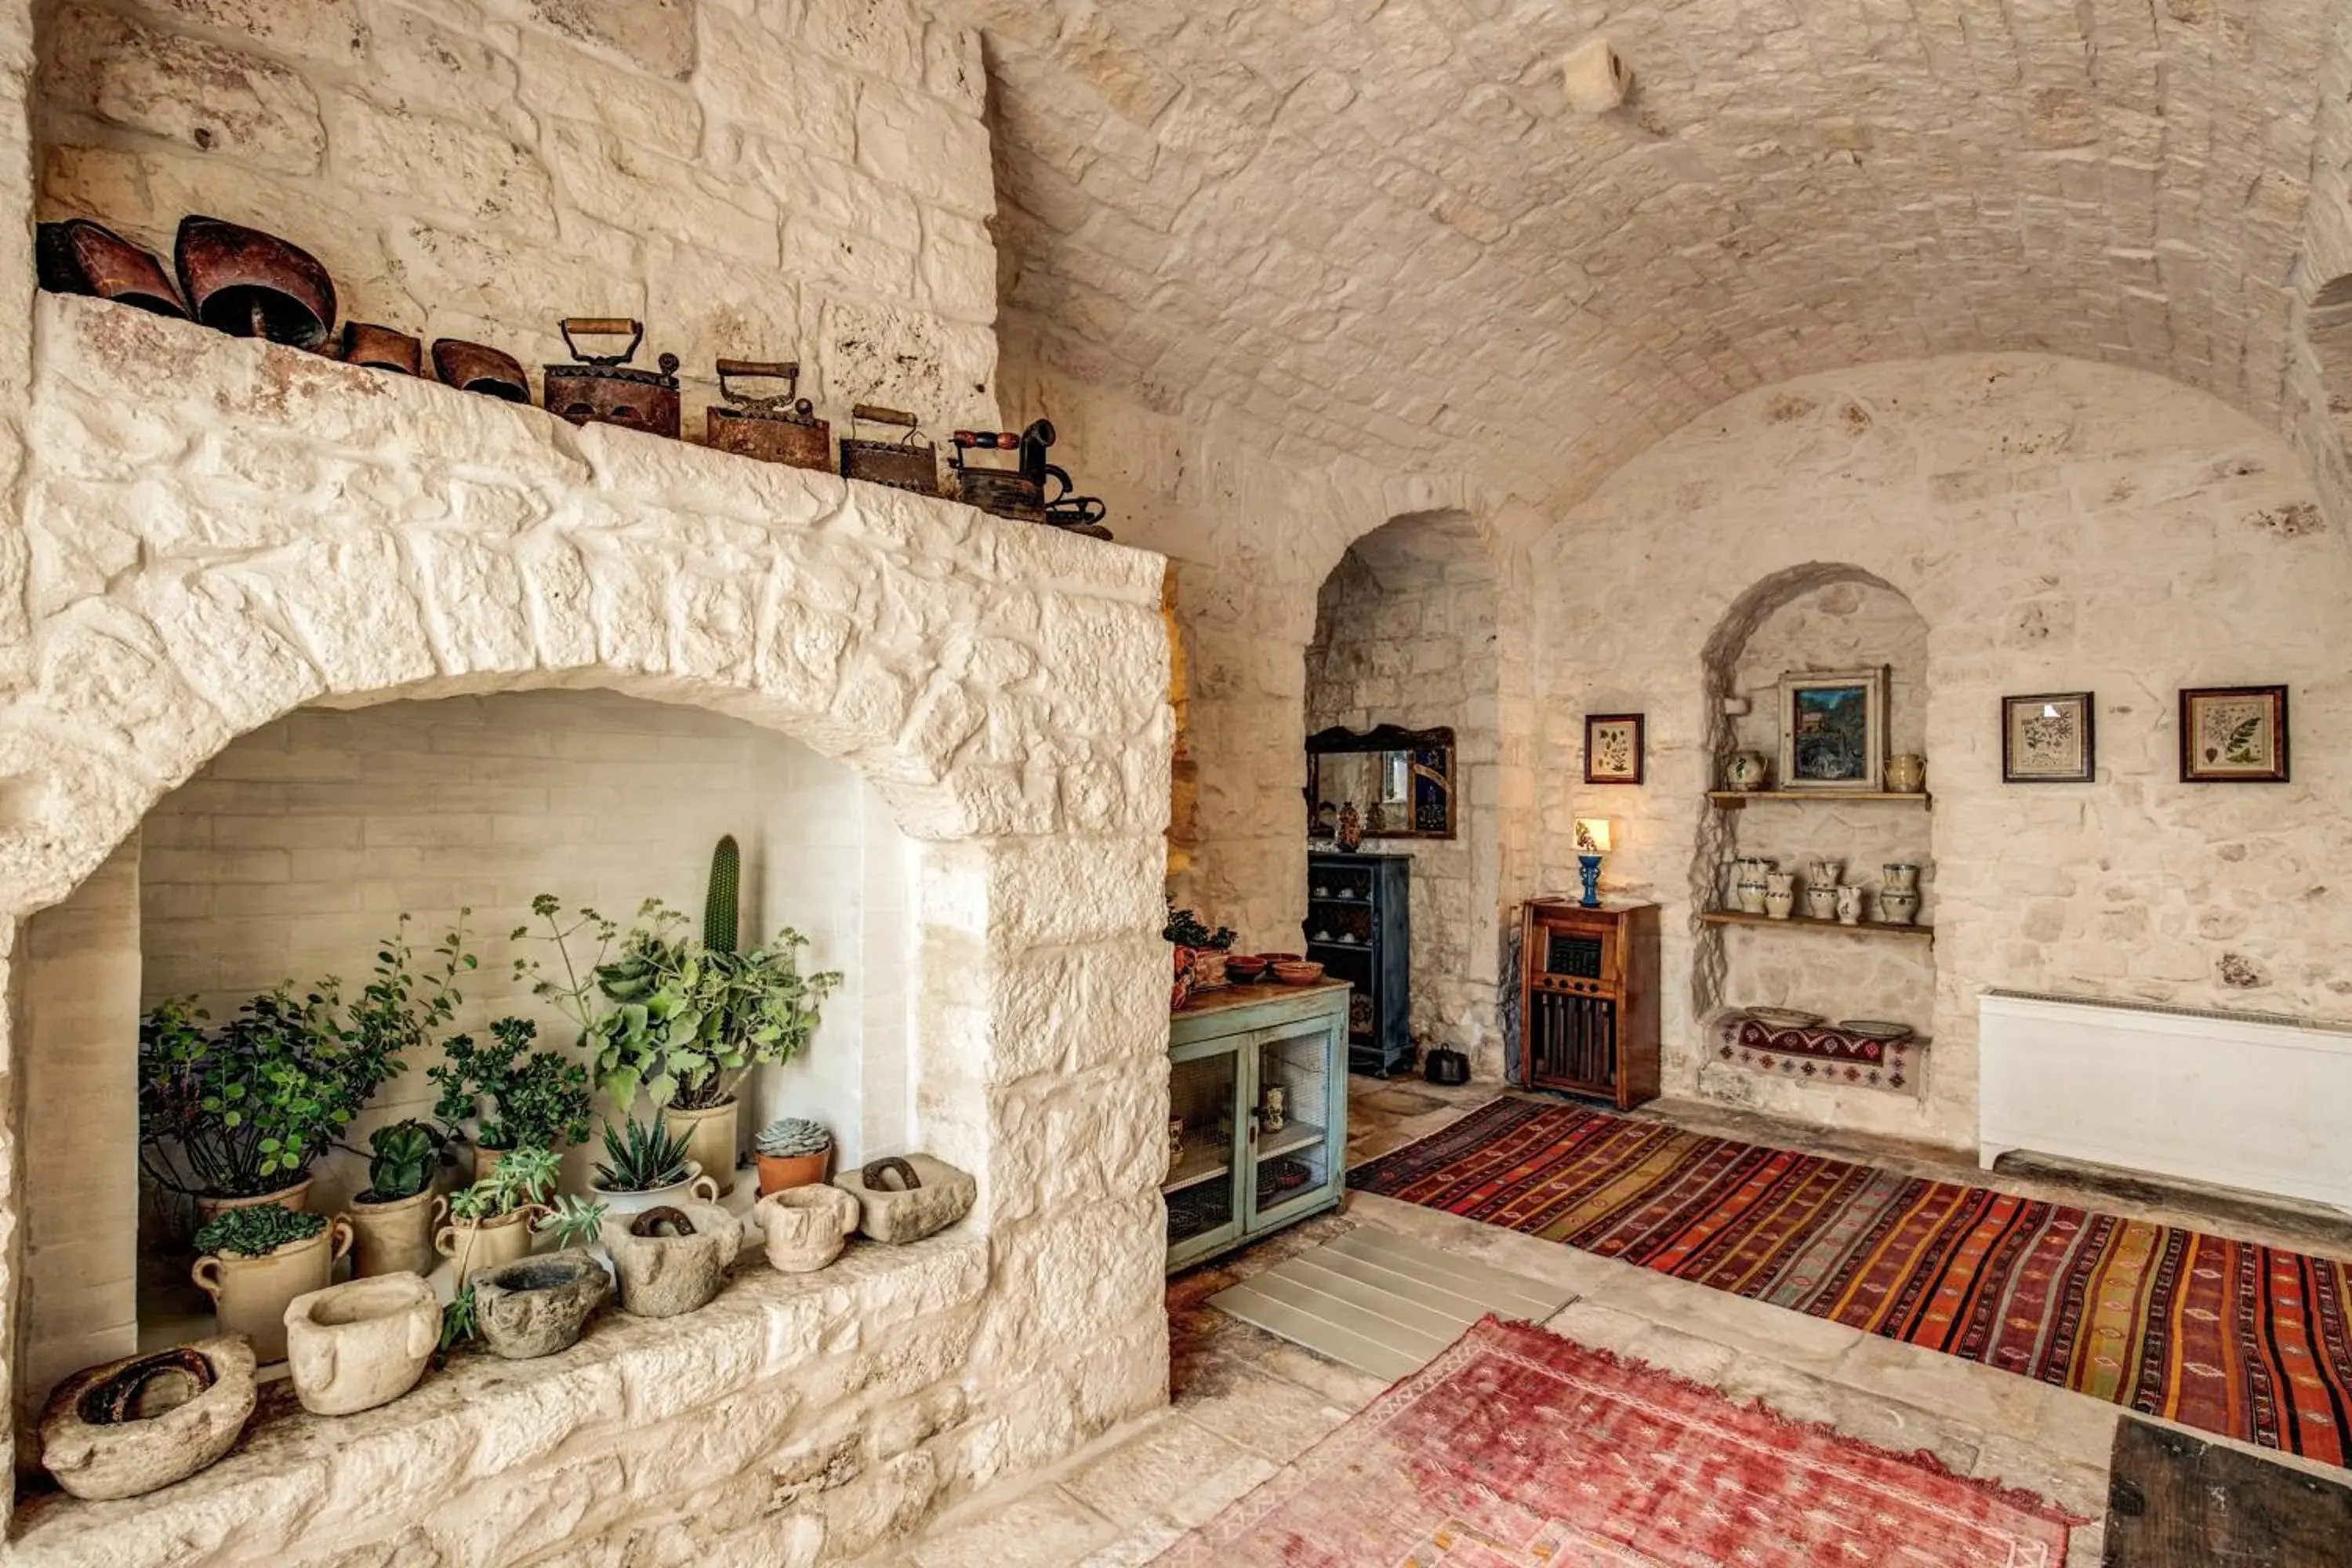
[2233, 734]
[1833, 730]
[1613, 748]
[2048, 739]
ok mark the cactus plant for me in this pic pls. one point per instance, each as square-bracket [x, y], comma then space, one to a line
[719, 905]
[789, 1137]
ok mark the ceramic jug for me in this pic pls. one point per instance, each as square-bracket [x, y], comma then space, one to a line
[1751, 887]
[1849, 906]
[1745, 771]
[1780, 894]
[1907, 774]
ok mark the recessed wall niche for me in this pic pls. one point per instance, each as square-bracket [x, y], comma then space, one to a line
[296, 849]
[1816, 619]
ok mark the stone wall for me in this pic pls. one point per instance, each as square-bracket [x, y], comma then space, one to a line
[803, 182]
[2057, 526]
[223, 532]
[1405, 634]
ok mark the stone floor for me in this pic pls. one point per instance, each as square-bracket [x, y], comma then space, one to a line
[1244, 1401]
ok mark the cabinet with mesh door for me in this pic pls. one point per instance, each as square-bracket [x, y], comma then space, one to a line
[1589, 999]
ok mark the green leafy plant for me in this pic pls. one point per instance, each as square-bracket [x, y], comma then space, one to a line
[401, 1161]
[1184, 929]
[572, 1221]
[538, 1101]
[257, 1232]
[646, 1157]
[788, 1137]
[670, 1015]
[248, 1107]
[517, 1180]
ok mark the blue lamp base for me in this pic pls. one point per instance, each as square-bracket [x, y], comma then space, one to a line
[1588, 868]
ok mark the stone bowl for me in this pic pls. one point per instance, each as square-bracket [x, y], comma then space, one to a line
[805, 1227]
[671, 1259]
[353, 1347]
[539, 1306]
[143, 1422]
[893, 1208]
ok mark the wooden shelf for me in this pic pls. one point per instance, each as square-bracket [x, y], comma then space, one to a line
[1806, 922]
[1733, 799]
[1207, 1161]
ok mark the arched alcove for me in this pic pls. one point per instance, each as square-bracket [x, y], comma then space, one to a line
[1819, 617]
[1406, 634]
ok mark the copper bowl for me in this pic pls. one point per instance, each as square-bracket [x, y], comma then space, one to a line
[381, 348]
[1301, 971]
[476, 367]
[79, 256]
[249, 284]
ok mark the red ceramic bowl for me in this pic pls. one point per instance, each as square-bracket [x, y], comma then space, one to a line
[1298, 973]
[1245, 966]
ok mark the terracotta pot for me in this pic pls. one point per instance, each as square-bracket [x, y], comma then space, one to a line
[296, 1197]
[540, 1305]
[393, 1237]
[806, 1227]
[710, 1141]
[491, 1244]
[353, 1347]
[250, 1294]
[673, 1260]
[143, 1422]
[777, 1171]
[695, 1186]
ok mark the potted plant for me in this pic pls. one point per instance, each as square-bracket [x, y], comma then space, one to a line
[490, 1222]
[235, 1116]
[793, 1152]
[1200, 954]
[391, 1220]
[645, 1167]
[681, 1018]
[255, 1260]
[537, 1099]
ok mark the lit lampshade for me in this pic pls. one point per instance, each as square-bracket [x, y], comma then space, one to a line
[1592, 835]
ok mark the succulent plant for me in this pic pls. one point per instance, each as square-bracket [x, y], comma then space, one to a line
[400, 1163]
[789, 1136]
[255, 1231]
[719, 905]
[648, 1156]
[573, 1222]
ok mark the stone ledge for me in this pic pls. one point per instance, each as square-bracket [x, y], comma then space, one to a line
[299, 1484]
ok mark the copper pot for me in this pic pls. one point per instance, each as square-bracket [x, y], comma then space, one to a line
[249, 284]
[381, 348]
[79, 256]
[476, 367]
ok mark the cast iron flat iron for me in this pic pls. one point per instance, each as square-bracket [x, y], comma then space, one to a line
[781, 428]
[1020, 492]
[249, 284]
[599, 390]
[79, 256]
[901, 463]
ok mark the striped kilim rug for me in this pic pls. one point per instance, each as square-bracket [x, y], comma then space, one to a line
[2247, 1341]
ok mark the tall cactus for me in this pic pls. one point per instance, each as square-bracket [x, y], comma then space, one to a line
[720, 906]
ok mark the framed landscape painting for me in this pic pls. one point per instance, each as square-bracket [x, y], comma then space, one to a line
[2233, 734]
[1833, 731]
[2048, 739]
[1613, 748]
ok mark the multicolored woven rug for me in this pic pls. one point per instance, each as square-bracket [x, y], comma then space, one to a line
[2251, 1342]
[1516, 1449]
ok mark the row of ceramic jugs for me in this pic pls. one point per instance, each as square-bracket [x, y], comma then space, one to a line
[1761, 889]
[133, 1425]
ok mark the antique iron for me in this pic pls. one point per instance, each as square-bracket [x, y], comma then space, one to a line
[79, 256]
[900, 464]
[599, 390]
[1020, 492]
[476, 367]
[381, 348]
[778, 429]
[249, 284]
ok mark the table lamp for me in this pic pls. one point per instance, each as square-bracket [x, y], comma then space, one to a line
[1592, 844]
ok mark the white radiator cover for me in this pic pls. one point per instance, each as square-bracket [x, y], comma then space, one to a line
[2260, 1104]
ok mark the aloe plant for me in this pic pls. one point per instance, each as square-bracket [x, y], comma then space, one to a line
[646, 1157]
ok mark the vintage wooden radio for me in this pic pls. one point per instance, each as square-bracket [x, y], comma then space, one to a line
[1589, 999]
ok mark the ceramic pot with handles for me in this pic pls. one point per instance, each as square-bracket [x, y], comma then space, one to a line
[805, 1227]
[393, 1237]
[1780, 894]
[250, 1294]
[695, 1186]
[486, 1244]
[353, 1347]
[1849, 906]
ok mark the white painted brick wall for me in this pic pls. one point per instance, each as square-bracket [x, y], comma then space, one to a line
[299, 847]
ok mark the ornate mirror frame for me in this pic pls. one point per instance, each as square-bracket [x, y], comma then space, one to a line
[1429, 772]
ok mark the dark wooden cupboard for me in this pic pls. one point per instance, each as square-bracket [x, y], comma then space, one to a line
[1359, 928]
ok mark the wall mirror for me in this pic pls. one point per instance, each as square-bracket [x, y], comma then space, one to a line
[1400, 781]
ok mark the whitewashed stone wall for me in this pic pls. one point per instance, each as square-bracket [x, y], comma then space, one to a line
[1405, 634]
[2057, 526]
[803, 180]
[223, 533]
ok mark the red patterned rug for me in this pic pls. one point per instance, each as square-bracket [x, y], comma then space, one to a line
[1516, 1449]
[2247, 1341]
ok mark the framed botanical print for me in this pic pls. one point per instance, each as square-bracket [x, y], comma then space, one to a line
[1833, 730]
[2233, 734]
[1613, 748]
[2048, 739]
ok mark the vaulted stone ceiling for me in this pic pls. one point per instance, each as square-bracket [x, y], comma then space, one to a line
[1381, 228]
